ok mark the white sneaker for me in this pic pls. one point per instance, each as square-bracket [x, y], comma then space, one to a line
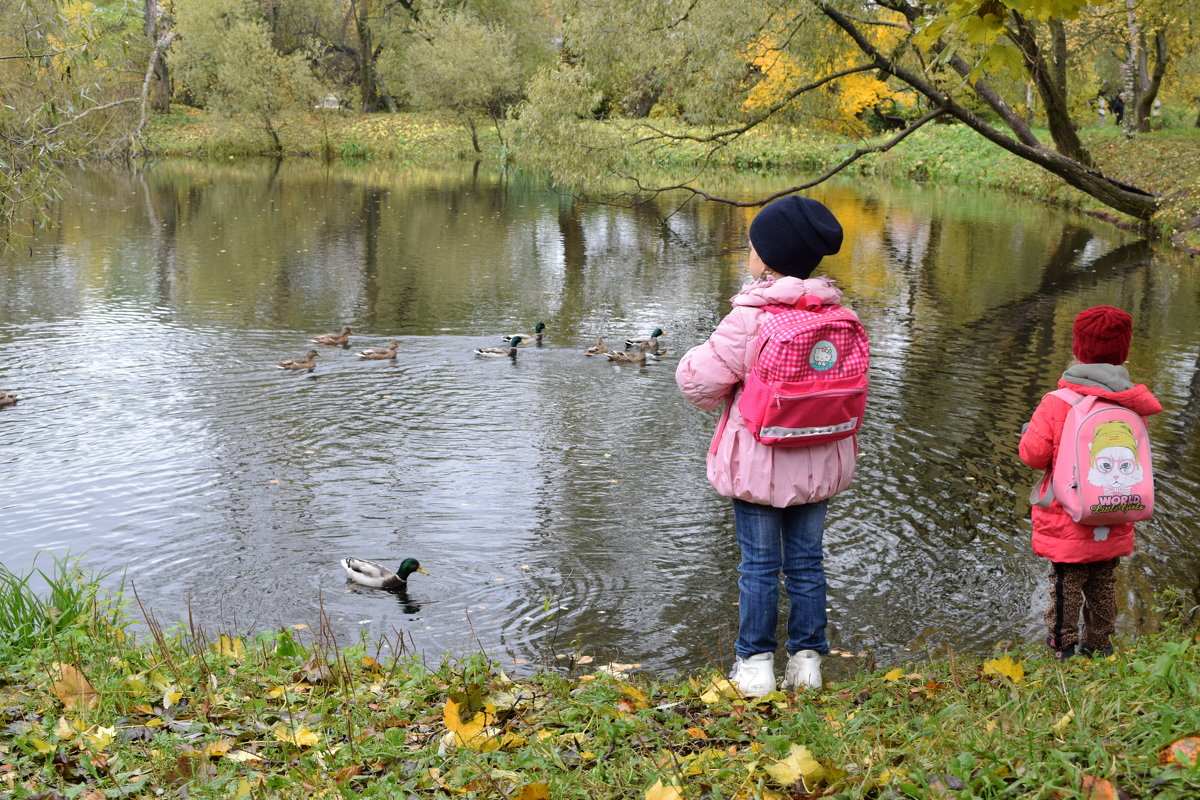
[754, 676]
[803, 670]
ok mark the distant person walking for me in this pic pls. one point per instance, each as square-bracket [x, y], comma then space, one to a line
[1083, 557]
[780, 494]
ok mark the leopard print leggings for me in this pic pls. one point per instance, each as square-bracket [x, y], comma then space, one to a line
[1089, 588]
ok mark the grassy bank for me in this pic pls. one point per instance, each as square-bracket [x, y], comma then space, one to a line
[1164, 162]
[89, 710]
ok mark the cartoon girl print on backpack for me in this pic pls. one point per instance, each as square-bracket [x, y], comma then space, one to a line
[1115, 468]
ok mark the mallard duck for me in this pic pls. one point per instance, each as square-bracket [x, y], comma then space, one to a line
[651, 340]
[500, 352]
[9, 399]
[334, 338]
[627, 357]
[308, 362]
[526, 338]
[596, 349]
[377, 576]
[378, 353]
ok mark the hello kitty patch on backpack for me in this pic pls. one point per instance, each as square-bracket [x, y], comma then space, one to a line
[809, 382]
[1102, 473]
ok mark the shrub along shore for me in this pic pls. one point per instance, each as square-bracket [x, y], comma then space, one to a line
[1164, 162]
[92, 709]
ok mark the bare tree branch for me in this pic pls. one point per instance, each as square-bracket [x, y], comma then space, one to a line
[855, 156]
[659, 134]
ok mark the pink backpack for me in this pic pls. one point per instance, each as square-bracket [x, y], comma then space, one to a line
[1102, 473]
[809, 382]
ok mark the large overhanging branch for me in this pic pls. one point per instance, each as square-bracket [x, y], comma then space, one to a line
[646, 192]
[1118, 195]
[658, 134]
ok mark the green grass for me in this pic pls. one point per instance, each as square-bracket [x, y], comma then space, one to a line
[28, 617]
[181, 713]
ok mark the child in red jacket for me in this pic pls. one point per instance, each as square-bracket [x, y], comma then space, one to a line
[1081, 560]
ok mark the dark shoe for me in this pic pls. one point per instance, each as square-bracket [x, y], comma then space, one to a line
[1060, 653]
[1095, 652]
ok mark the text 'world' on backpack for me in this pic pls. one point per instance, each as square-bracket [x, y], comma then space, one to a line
[1102, 474]
[809, 382]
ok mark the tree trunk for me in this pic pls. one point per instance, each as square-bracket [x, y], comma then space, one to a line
[1150, 89]
[368, 81]
[1129, 69]
[160, 94]
[1050, 77]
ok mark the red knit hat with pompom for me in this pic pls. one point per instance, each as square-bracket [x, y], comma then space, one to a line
[1101, 335]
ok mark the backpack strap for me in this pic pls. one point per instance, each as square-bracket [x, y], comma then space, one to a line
[1042, 493]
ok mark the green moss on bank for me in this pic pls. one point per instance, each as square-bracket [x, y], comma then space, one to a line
[92, 711]
[1164, 162]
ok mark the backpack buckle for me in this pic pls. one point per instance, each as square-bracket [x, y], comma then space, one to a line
[809, 302]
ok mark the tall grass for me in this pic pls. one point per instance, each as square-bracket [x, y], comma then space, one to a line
[70, 597]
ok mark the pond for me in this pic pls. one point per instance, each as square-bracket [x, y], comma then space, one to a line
[558, 502]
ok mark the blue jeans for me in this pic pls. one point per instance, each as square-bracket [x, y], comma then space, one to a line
[774, 539]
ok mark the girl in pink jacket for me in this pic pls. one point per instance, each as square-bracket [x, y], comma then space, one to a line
[779, 493]
[1081, 561]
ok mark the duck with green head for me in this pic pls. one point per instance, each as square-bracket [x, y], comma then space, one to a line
[500, 352]
[526, 338]
[377, 576]
[651, 340]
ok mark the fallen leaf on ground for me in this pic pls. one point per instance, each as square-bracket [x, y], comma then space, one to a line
[798, 765]
[73, 689]
[1182, 751]
[1005, 667]
[664, 792]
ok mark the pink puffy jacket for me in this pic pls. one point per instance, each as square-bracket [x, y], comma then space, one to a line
[711, 374]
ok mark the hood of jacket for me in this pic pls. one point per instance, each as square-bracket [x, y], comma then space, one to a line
[787, 291]
[1112, 383]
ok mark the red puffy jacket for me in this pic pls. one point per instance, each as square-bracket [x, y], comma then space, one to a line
[1055, 535]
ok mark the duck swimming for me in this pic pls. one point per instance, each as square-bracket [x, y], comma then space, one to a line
[342, 338]
[379, 353]
[598, 348]
[626, 357]
[500, 352]
[651, 340]
[377, 576]
[309, 362]
[9, 399]
[535, 337]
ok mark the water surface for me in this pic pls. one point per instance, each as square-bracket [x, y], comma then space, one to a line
[558, 501]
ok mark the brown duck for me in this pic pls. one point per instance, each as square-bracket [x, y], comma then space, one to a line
[309, 362]
[380, 353]
[342, 338]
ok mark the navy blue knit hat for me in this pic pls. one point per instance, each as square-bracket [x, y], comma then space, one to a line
[793, 234]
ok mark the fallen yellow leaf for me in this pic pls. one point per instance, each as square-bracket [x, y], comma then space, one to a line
[1005, 667]
[473, 733]
[894, 675]
[1061, 726]
[230, 646]
[663, 792]
[534, 791]
[301, 738]
[799, 765]
[73, 689]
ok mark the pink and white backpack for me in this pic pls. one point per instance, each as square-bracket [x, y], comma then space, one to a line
[1102, 473]
[809, 382]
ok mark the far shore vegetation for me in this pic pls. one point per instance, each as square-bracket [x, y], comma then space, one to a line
[99, 701]
[1164, 161]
